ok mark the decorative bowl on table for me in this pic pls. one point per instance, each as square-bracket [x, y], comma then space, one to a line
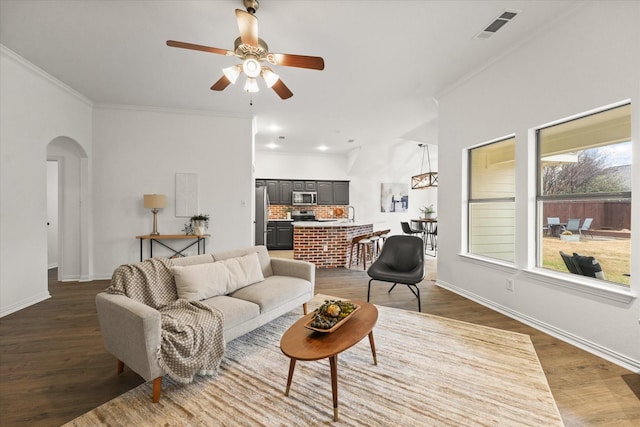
[331, 315]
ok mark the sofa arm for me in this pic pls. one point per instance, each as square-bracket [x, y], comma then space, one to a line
[131, 332]
[295, 268]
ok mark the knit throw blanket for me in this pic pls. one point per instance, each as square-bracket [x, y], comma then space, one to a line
[192, 332]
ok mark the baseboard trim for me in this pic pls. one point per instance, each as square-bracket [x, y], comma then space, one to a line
[4, 311]
[586, 345]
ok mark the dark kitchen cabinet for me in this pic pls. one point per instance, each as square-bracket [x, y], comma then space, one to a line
[325, 192]
[333, 192]
[340, 192]
[271, 235]
[304, 186]
[329, 192]
[279, 235]
[285, 189]
[273, 190]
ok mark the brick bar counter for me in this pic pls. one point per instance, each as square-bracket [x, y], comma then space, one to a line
[326, 244]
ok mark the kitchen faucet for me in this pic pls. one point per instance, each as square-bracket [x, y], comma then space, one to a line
[353, 218]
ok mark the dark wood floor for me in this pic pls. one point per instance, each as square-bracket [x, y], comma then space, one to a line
[53, 366]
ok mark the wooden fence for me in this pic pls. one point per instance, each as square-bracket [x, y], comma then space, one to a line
[607, 215]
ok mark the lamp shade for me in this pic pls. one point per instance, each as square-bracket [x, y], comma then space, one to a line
[155, 201]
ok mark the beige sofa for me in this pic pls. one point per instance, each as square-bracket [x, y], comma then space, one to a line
[132, 331]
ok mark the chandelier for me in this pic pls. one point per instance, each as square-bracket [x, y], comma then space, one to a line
[424, 179]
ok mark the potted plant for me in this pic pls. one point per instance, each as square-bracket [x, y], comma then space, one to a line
[200, 224]
[428, 212]
[568, 236]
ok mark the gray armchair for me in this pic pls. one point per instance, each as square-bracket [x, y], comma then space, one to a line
[401, 261]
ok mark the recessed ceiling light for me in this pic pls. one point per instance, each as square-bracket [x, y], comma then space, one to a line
[274, 128]
[272, 145]
[323, 148]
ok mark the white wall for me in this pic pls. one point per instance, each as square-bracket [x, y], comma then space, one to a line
[52, 213]
[138, 151]
[34, 110]
[588, 60]
[366, 168]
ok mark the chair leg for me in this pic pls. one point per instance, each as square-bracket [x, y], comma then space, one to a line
[369, 290]
[394, 285]
[415, 292]
[157, 389]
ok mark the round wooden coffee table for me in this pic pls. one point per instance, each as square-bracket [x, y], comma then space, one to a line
[300, 343]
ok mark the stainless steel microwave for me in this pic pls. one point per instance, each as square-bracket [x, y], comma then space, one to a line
[304, 198]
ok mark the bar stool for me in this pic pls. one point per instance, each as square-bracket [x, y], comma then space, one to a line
[354, 245]
[364, 242]
[383, 236]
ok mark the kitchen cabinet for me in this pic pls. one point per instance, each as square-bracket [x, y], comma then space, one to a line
[285, 189]
[304, 186]
[333, 192]
[325, 192]
[340, 192]
[329, 192]
[273, 190]
[280, 235]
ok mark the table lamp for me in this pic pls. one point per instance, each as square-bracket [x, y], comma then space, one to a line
[155, 202]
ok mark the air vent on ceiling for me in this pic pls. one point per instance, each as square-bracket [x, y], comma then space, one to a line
[497, 23]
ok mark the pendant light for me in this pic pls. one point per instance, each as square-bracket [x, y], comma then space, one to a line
[426, 179]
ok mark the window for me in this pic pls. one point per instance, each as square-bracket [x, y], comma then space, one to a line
[492, 200]
[584, 195]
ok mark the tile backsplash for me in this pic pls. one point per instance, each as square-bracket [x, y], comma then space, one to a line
[322, 211]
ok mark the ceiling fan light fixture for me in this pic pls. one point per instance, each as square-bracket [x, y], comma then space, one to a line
[269, 77]
[251, 85]
[251, 67]
[232, 73]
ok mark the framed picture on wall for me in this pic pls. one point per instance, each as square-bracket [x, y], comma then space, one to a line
[186, 194]
[394, 197]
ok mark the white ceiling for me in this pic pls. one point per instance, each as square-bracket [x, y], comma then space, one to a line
[385, 61]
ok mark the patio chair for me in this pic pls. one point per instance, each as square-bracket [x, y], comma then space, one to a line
[586, 227]
[571, 263]
[573, 225]
[583, 265]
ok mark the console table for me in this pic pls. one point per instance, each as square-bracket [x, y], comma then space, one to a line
[159, 237]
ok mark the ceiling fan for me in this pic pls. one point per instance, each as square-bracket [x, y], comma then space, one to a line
[253, 51]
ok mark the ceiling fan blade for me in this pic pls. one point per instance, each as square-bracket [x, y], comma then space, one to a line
[192, 46]
[221, 84]
[300, 61]
[282, 90]
[248, 26]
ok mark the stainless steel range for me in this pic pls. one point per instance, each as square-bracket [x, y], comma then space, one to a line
[306, 215]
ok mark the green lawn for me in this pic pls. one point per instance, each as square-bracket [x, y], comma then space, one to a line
[614, 255]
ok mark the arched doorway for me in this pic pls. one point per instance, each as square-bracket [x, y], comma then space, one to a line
[73, 250]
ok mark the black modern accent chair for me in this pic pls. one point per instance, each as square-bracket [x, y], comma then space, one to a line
[401, 261]
[406, 229]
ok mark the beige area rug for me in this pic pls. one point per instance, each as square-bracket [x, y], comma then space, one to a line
[431, 371]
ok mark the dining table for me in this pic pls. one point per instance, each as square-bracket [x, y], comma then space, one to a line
[428, 226]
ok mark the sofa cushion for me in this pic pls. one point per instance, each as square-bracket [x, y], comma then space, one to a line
[274, 291]
[263, 256]
[235, 311]
[200, 281]
[243, 271]
[193, 259]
